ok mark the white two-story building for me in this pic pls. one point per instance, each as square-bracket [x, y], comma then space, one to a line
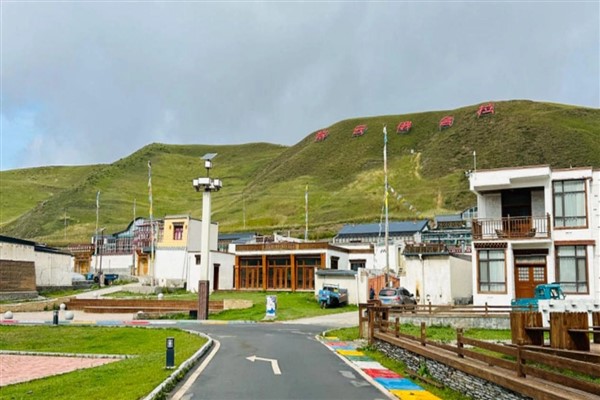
[536, 225]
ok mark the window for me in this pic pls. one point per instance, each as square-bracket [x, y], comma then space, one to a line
[177, 231]
[569, 204]
[334, 262]
[571, 268]
[356, 264]
[198, 259]
[492, 272]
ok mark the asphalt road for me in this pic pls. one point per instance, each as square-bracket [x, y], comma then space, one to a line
[291, 364]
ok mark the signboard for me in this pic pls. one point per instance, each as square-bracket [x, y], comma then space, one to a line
[271, 306]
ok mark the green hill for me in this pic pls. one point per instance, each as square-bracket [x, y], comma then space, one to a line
[264, 184]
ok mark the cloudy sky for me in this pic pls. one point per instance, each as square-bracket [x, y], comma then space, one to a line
[91, 82]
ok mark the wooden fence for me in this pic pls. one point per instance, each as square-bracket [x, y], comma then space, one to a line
[506, 365]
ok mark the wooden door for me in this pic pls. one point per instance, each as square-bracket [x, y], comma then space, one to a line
[530, 271]
[142, 265]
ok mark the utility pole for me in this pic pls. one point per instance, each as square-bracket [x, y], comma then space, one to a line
[96, 233]
[387, 222]
[305, 214]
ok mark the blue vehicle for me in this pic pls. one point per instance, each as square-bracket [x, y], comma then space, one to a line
[546, 291]
[108, 279]
[332, 296]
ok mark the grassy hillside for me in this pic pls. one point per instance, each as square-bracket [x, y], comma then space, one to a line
[264, 184]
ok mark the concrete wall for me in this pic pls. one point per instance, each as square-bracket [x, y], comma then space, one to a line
[114, 264]
[226, 263]
[358, 292]
[17, 252]
[170, 263]
[195, 236]
[437, 279]
[461, 278]
[53, 269]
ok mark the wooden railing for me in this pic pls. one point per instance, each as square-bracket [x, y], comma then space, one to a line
[511, 228]
[503, 364]
[425, 248]
[430, 309]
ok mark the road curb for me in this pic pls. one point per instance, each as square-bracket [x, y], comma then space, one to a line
[165, 387]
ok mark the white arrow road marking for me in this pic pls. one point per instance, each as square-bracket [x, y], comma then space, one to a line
[274, 363]
[348, 374]
[360, 383]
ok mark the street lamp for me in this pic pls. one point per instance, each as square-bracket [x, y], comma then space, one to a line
[206, 185]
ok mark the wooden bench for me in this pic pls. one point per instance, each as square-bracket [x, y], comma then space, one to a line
[135, 305]
[527, 328]
[569, 330]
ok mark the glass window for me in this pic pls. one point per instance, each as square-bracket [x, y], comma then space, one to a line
[492, 272]
[569, 204]
[356, 264]
[571, 268]
[177, 231]
[334, 262]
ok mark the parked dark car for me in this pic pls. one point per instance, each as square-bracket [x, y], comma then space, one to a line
[108, 279]
[396, 296]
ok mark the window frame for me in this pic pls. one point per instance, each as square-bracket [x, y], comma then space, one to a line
[479, 282]
[576, 257]
[556, 196]
[361, 264]
[178, 231]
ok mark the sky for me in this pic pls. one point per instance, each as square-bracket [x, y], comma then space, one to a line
[92, 82]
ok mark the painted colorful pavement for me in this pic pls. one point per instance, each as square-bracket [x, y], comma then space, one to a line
[401, 387]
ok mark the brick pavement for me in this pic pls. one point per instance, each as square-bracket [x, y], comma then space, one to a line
[23, 368]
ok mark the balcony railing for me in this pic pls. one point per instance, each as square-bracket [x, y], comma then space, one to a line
[511, 228]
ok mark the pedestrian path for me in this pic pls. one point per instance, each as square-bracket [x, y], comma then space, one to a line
[396, 384]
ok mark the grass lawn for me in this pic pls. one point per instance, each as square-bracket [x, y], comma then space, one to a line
[438, 333]
[125, 379]
[290, 305]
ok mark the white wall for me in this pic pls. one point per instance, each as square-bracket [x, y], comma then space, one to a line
[52, 269]
[461, 276]
[343, 262]
[443, 278]
[114, 263]
[380, 256]
[358, 292]
[195, 235]
[226, 263]
[16, 252]
[170, 264]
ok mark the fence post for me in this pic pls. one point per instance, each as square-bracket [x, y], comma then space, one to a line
[429, 307]
[520, 360]
[397, 328]
[371, 313]
[459, 343]
[486, 309]
[423, 334]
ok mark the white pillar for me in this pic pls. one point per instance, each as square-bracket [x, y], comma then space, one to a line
[205, 246]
